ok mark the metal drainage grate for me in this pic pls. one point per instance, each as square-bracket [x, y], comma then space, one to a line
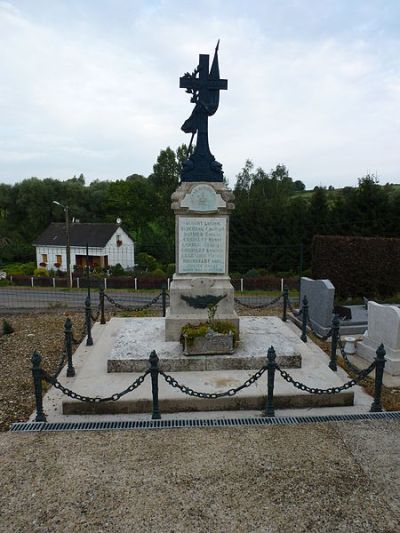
[197, 423]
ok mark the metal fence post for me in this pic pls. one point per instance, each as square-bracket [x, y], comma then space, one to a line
[380, 361]
[37, 383]
[164, 299]
[155, 415]
[285, 302]
[271, 367]
[101, 297]
[335, 338]
[68, 347]
[304, 315]
[88, 312]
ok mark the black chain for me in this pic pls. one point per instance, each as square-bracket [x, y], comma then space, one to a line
[261, 306]
[62, 361]
[127, 308]
[332, 390]
[350, 366]
[318, 335]
[231, 392]
[96, 316]
[292, 309]
[68, 392]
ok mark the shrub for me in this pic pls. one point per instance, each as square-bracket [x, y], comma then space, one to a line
[171, 268]
[358, 266]
[20, 268]
[7, 328]
[252, 273]
[146, 262]
[5, 282]
[235, 275]
[41, 272]
[262, 271]
[158, 273]
[117, 270]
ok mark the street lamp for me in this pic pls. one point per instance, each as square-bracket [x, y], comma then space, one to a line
[68, 246]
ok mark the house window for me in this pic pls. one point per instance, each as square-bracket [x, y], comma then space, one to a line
[59, 259]
[119, 241]
[44, 258]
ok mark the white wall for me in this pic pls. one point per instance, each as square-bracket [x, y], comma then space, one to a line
[124, 254]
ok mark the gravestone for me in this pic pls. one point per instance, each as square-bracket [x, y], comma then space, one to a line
[320, 295]
[202, 205]
[383, 327]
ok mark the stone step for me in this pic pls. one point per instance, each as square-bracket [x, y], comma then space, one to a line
[92, 379]
[172, 400]
[133, 339]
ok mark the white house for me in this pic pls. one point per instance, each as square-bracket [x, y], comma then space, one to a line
[108, 245]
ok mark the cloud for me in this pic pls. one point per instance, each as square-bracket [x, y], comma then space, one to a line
[96, 90]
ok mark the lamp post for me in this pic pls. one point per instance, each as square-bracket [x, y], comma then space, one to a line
[68, 245]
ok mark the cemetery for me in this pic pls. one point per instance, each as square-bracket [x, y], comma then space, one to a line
[220, 361]
[202, 352]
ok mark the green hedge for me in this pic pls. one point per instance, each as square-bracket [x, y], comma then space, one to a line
[358, 266]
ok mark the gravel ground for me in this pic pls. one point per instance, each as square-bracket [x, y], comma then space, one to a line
[322, 477]
[41, 332]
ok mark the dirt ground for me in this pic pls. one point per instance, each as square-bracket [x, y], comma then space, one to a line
[307, 478]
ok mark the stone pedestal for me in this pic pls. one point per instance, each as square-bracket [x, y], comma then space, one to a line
[202, 246]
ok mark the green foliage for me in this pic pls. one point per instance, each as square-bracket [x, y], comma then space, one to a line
[171, 268]
[117, 270]
[252, 273]
[158, 273]
[5, 283]
[146, 262]
[19, 268]
[7, 328]
[41, 272]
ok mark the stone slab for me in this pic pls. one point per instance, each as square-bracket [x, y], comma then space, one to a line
[383, 328]
[134, 338]
[93, 380]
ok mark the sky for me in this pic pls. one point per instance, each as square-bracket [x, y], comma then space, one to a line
[92, 86]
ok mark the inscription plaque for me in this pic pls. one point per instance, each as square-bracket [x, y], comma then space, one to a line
[202, 245]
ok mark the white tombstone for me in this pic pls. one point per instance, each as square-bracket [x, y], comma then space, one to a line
[383, 328]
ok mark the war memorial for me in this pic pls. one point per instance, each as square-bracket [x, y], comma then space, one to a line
[220, 361]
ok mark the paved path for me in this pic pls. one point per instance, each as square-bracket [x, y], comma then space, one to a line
[12, 298]
[315, 478]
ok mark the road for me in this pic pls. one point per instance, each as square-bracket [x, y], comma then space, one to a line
[13, 299]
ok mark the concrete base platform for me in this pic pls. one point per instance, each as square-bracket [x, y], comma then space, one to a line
[356, 326]
[133, 338]
[92, 379]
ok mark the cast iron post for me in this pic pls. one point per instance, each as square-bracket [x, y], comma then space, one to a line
[271, 367]
[285, 302]
[304, 320]
[101, 296]
[37, 383]
[164, 299]
[335, 338]
[155, 415]
[380, 365]
[68, 347]
[88, 312]
[87, 270]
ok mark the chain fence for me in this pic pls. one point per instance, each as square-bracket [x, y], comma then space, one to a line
[271, 367]
[331, 390]
[263, 305]
[74, 395]
[124, 307]
[212, 395]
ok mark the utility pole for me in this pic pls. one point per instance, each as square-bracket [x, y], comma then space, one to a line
[68, 242]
